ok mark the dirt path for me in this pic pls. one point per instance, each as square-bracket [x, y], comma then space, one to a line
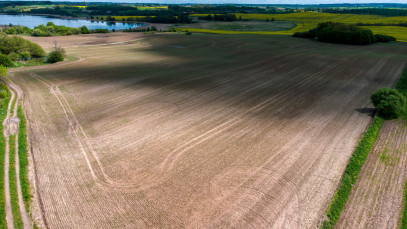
[11, 127]
[9, 213]
[377, 198]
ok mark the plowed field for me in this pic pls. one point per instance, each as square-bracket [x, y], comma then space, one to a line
[201, 131]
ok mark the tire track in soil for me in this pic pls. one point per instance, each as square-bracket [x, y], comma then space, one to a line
[162, 172]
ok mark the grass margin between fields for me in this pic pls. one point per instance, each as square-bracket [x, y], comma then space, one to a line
[401, 86]
[18, 222]
[23, 158]
[352, 172]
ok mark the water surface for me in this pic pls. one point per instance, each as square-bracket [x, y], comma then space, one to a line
[33, 21]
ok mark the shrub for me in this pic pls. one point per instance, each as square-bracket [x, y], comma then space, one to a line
[55, 56]
[390, 102]
[85, 30]
[14, 56]
[3, 94]
[25, 55]
[6, 61]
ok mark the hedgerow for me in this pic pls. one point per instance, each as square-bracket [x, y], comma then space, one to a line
[352, 172]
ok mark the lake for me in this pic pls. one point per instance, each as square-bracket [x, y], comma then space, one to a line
[33, 21]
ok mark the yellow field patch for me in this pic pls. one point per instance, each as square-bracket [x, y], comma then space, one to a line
[313, 17]
[396, 31]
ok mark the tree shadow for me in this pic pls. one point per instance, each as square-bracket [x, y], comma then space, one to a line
[367, 110]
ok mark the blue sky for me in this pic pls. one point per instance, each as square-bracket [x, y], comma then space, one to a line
[246, 1]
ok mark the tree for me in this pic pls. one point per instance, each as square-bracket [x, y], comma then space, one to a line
[390, 102]
[56, 55]
[84, 30]
[5, 61]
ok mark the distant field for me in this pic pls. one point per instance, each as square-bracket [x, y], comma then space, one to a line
[247, 26]
[308, 20]
[313, 17]
[201, 131]
[152, 7]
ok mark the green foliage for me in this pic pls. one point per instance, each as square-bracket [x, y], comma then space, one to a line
[25, 55]
[352, 172]
[55, 56]
[18, 222]
[343, 33]
[3, 72]
[6, 61]
[401, 85]
[390, 102]
[84, 30]
[10, 44]
[14, 56]
[3, 113]
[23, 158]
[404, 219]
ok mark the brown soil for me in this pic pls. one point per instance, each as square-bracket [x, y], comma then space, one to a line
[202, 131]
[377, 198]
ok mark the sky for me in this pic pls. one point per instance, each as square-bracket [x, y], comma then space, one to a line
[244, 1]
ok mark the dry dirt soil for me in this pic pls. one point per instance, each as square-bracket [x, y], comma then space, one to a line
[377, 198]
[201, 131]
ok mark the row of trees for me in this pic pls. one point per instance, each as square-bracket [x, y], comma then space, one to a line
[51, 30]
[220, 17]
[343, 33]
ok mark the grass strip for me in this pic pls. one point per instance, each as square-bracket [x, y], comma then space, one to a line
[18, 222]
[401, 85]
[352, 172]
[3, 114]
[404, 216]
[23, 158]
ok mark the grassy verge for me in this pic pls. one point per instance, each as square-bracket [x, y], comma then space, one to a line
[23, 158]
[18, 222]
[3, 114]
[401, 85]
[404, 215]
[352, 172]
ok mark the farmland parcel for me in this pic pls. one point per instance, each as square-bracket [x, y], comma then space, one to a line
[198, 131]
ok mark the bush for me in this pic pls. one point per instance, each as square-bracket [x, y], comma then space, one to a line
[85, 30]
[14, 56]
[6, 61]
[55, 56]
[25, 55]
[3, 94]
[390, 102]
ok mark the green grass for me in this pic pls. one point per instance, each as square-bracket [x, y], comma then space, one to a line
[404, 219]
[401, 85]
[352, 172]
[18, 222]
[3, 114]
[23, 158]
